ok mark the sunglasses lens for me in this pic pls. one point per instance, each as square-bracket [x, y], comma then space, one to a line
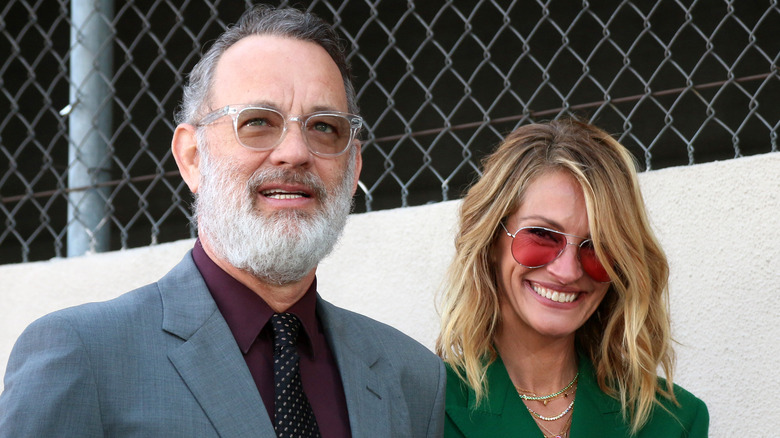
[591, 263]
[534, 247]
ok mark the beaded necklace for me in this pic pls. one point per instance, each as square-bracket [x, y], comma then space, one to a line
[528, 395]
[553, 418]
[562, 434]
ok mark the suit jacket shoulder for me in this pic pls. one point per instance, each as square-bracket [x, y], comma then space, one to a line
[148, 363]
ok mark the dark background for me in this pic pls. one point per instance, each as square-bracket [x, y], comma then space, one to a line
[440, 83]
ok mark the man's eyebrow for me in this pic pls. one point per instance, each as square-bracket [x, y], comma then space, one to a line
[271, 105]
[265, 104]
[316, 108]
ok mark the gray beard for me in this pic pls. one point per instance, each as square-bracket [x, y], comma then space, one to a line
[278, 248]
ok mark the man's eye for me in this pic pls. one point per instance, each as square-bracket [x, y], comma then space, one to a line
[259, 122]
[324, 128]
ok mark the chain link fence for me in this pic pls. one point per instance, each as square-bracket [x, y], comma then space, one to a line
[439, 84]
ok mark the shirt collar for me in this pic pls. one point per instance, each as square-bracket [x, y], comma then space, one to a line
[245, 312]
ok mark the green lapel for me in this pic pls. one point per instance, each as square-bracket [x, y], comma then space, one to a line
[595, 413]
[502, 413]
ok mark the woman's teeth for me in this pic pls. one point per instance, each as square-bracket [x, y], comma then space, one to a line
[560, 297]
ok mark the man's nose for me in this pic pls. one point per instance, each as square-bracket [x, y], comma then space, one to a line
[292, 151]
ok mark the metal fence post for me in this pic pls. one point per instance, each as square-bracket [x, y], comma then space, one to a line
[90, 125]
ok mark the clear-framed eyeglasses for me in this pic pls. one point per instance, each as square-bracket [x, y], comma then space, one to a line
[326, 133]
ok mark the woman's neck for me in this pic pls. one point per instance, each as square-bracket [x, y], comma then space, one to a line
[539, 365]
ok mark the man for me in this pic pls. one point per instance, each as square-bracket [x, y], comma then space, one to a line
[266, 141]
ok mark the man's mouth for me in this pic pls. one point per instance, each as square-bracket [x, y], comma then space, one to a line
[554, 295]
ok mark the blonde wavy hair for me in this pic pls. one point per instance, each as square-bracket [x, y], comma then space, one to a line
[628, 336]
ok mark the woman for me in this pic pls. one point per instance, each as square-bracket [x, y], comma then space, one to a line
[555, 312]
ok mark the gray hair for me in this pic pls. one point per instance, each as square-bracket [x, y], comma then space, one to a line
[262, 20]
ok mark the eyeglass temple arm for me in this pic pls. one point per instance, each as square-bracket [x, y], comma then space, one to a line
[505, 230]
[211, 117]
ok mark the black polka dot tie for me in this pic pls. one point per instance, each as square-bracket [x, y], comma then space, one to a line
[293, 415]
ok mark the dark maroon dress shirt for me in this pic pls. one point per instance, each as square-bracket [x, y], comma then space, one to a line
[248, 315]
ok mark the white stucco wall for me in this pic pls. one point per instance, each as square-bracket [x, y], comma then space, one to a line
[718, 222]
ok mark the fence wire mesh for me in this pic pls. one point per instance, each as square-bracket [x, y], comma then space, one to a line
[439, 84]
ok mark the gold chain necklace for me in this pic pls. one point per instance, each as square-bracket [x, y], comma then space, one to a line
[528, 395]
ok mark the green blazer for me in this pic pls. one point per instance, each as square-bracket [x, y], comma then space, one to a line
[503, 414]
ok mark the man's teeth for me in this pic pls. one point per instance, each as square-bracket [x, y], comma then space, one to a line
[553, 295]
[278, 194]
[285, 196]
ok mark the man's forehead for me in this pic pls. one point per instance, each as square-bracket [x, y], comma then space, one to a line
[269, 67]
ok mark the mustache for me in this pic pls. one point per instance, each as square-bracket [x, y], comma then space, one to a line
[285, 176]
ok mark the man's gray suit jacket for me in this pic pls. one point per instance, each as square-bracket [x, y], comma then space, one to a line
[160, 361]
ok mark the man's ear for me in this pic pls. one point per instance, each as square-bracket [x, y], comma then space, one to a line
[185, 151]
[358, 165]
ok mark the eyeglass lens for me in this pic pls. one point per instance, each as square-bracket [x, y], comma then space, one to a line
[259, 128]
[535, 247]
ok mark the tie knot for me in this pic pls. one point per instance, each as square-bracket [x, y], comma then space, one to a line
[286, 327]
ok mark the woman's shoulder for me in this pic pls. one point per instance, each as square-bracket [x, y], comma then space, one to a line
[686, 418]
[457, 388]
[682, 394]
[459, 391]
[497, 385]
[689, 404]
[689, 413]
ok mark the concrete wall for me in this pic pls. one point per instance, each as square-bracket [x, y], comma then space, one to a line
[718, 222]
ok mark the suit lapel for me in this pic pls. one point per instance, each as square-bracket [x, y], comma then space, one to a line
[595, 413]
[209, 361]
[367, 396]
[502, 413]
